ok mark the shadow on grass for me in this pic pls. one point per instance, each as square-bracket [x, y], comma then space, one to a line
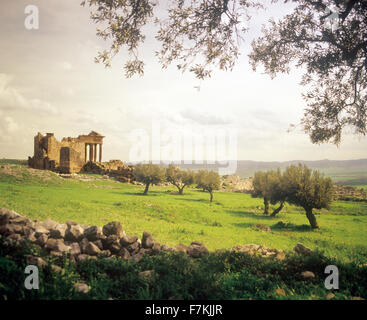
[132, 193]
[282, 226]
[279, 226]
[195, 200]
[250, 214]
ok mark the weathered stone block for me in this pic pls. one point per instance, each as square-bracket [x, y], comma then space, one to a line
[113, 228]
[92, 249]
[74, 233]
[147, 241]
[93, 233]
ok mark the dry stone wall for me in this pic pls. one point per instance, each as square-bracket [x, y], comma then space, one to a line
[86, 242]
[83, 242]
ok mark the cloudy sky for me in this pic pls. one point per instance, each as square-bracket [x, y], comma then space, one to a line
[50, 83]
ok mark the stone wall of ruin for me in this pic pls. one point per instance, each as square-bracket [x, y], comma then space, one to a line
[67, 156]
[53, 149]
[71, 161]
[46, 152]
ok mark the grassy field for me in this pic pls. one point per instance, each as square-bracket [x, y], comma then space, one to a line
[173, 219]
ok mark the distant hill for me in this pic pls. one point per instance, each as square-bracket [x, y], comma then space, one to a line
[329, 167]
[352, 172]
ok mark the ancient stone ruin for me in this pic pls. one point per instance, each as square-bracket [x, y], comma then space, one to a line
[67, 156]
[113, 168]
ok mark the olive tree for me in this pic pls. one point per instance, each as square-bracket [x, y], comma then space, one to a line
[179, 178]
[328, 38]
[198, 35]
[268, 185]
[148, 174]
[208, 181]
[279, 191]
[308, 189]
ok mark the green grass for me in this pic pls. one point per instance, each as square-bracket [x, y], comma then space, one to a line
[13, 161]
[173, 219]
[350, 177]
[223, 275]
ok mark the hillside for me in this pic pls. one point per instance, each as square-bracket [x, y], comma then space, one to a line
[233, 218]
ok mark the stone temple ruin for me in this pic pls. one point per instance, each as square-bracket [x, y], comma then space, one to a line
[67, 156]
[75, 155]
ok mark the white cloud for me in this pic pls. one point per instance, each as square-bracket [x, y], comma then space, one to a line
[12, 99]
[66, 66]
[206, 118]
[10, 125]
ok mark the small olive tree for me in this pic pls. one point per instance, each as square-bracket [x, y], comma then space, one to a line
[149, 174]
[278, 192]
[268, 185]
[179, 178]
[208, 181]
[308, 189]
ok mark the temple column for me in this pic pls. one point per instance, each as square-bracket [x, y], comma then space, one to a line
[85, 153]
[95, 152]
[100, 152]
[90, 152]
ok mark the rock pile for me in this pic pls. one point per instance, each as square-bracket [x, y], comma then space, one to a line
[302, 250]
[255, 249]
[113, 168]
[86, 242]
[233, 183]
[349, 193]
[261, 227]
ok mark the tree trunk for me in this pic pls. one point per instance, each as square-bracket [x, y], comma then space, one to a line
[180, 190]
[146, 188]
[276, 211]
[266, 203]
[211, 196]
[311, 218]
